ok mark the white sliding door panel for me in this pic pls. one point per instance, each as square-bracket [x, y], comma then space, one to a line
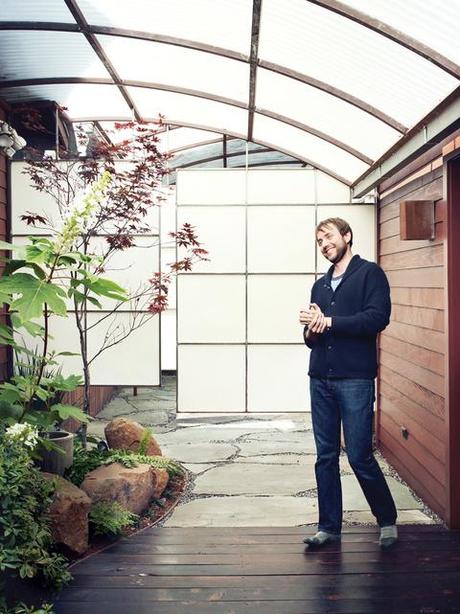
[219, 187]
[221, 230]
[362, 219]
[274, 302]
[168, 340]
[134, 362]
[280, 239]
[295, 186]
[211, 378]
[130, 268]
[212, 309]
[240, 345]
[277, 378]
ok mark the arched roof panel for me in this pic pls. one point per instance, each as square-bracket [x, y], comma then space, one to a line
[224, 23]
[434, 23]
[35, 10]
[327, 46]
[327, 113]
[177, 66]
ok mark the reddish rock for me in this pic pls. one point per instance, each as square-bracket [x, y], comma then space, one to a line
[161, 481]
[132, 487]
[69, 515]
[123, 434]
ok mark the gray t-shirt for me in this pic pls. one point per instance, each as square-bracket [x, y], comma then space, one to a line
[335, 281]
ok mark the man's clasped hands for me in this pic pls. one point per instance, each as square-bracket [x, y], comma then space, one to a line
[315, 319]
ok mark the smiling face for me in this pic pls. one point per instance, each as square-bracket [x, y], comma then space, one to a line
[332, 244]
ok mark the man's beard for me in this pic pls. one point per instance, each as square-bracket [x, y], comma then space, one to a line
[341, 251]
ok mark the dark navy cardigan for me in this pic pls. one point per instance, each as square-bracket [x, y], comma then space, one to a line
[360, 308]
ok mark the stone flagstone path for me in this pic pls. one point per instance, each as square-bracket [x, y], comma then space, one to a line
[248, 470]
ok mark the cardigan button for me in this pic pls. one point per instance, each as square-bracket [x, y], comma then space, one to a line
[332, 302]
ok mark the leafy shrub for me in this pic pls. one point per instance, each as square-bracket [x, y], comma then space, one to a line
[85, 461]
[22, 608]
[26, 548]
[110, 518]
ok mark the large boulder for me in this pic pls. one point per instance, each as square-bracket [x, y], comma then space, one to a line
[69, 515]
[123, 434]
[161, 481]
[131, 487]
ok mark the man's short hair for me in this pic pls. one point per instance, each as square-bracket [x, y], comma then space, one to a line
[342, 226]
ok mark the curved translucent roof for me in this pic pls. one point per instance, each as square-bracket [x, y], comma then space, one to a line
[333, 84]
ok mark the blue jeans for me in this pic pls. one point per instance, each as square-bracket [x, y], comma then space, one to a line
[349, 401]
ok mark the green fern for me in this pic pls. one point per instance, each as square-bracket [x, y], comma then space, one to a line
[110, 518]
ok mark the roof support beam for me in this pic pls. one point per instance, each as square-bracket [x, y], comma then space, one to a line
[256, 14]
[91, 38]
[430, 130]
[389, 32]
[282, 70]
[199, 94]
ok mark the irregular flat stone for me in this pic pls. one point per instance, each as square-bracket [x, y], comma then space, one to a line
[256, 448]
[199, 434]
[97, 428]
[198, 468]
[198, 453]
[255, 479]
[307, 460]
[116, 407]
[245, 512]
[404, 517]
[353, 498]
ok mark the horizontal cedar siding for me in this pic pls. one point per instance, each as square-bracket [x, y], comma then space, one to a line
[412, 348]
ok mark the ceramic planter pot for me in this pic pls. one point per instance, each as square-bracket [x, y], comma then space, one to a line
[55, 461]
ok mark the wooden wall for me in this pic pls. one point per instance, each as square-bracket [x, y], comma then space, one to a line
[3, 235]
[412, 348]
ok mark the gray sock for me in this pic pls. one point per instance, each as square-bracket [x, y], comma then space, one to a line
[321, 538]
[388, 536]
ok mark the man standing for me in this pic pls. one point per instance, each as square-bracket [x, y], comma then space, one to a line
[349, 306]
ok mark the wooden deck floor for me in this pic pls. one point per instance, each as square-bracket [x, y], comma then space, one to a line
[268, 571]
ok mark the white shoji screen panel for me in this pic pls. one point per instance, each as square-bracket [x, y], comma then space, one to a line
[221, 230]
[240, 346]
[212, 308]
[168, 340]
[280, 239]
[274, 302]
[277, 378]
[211, 378]
[135, 361]
[286, 187]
